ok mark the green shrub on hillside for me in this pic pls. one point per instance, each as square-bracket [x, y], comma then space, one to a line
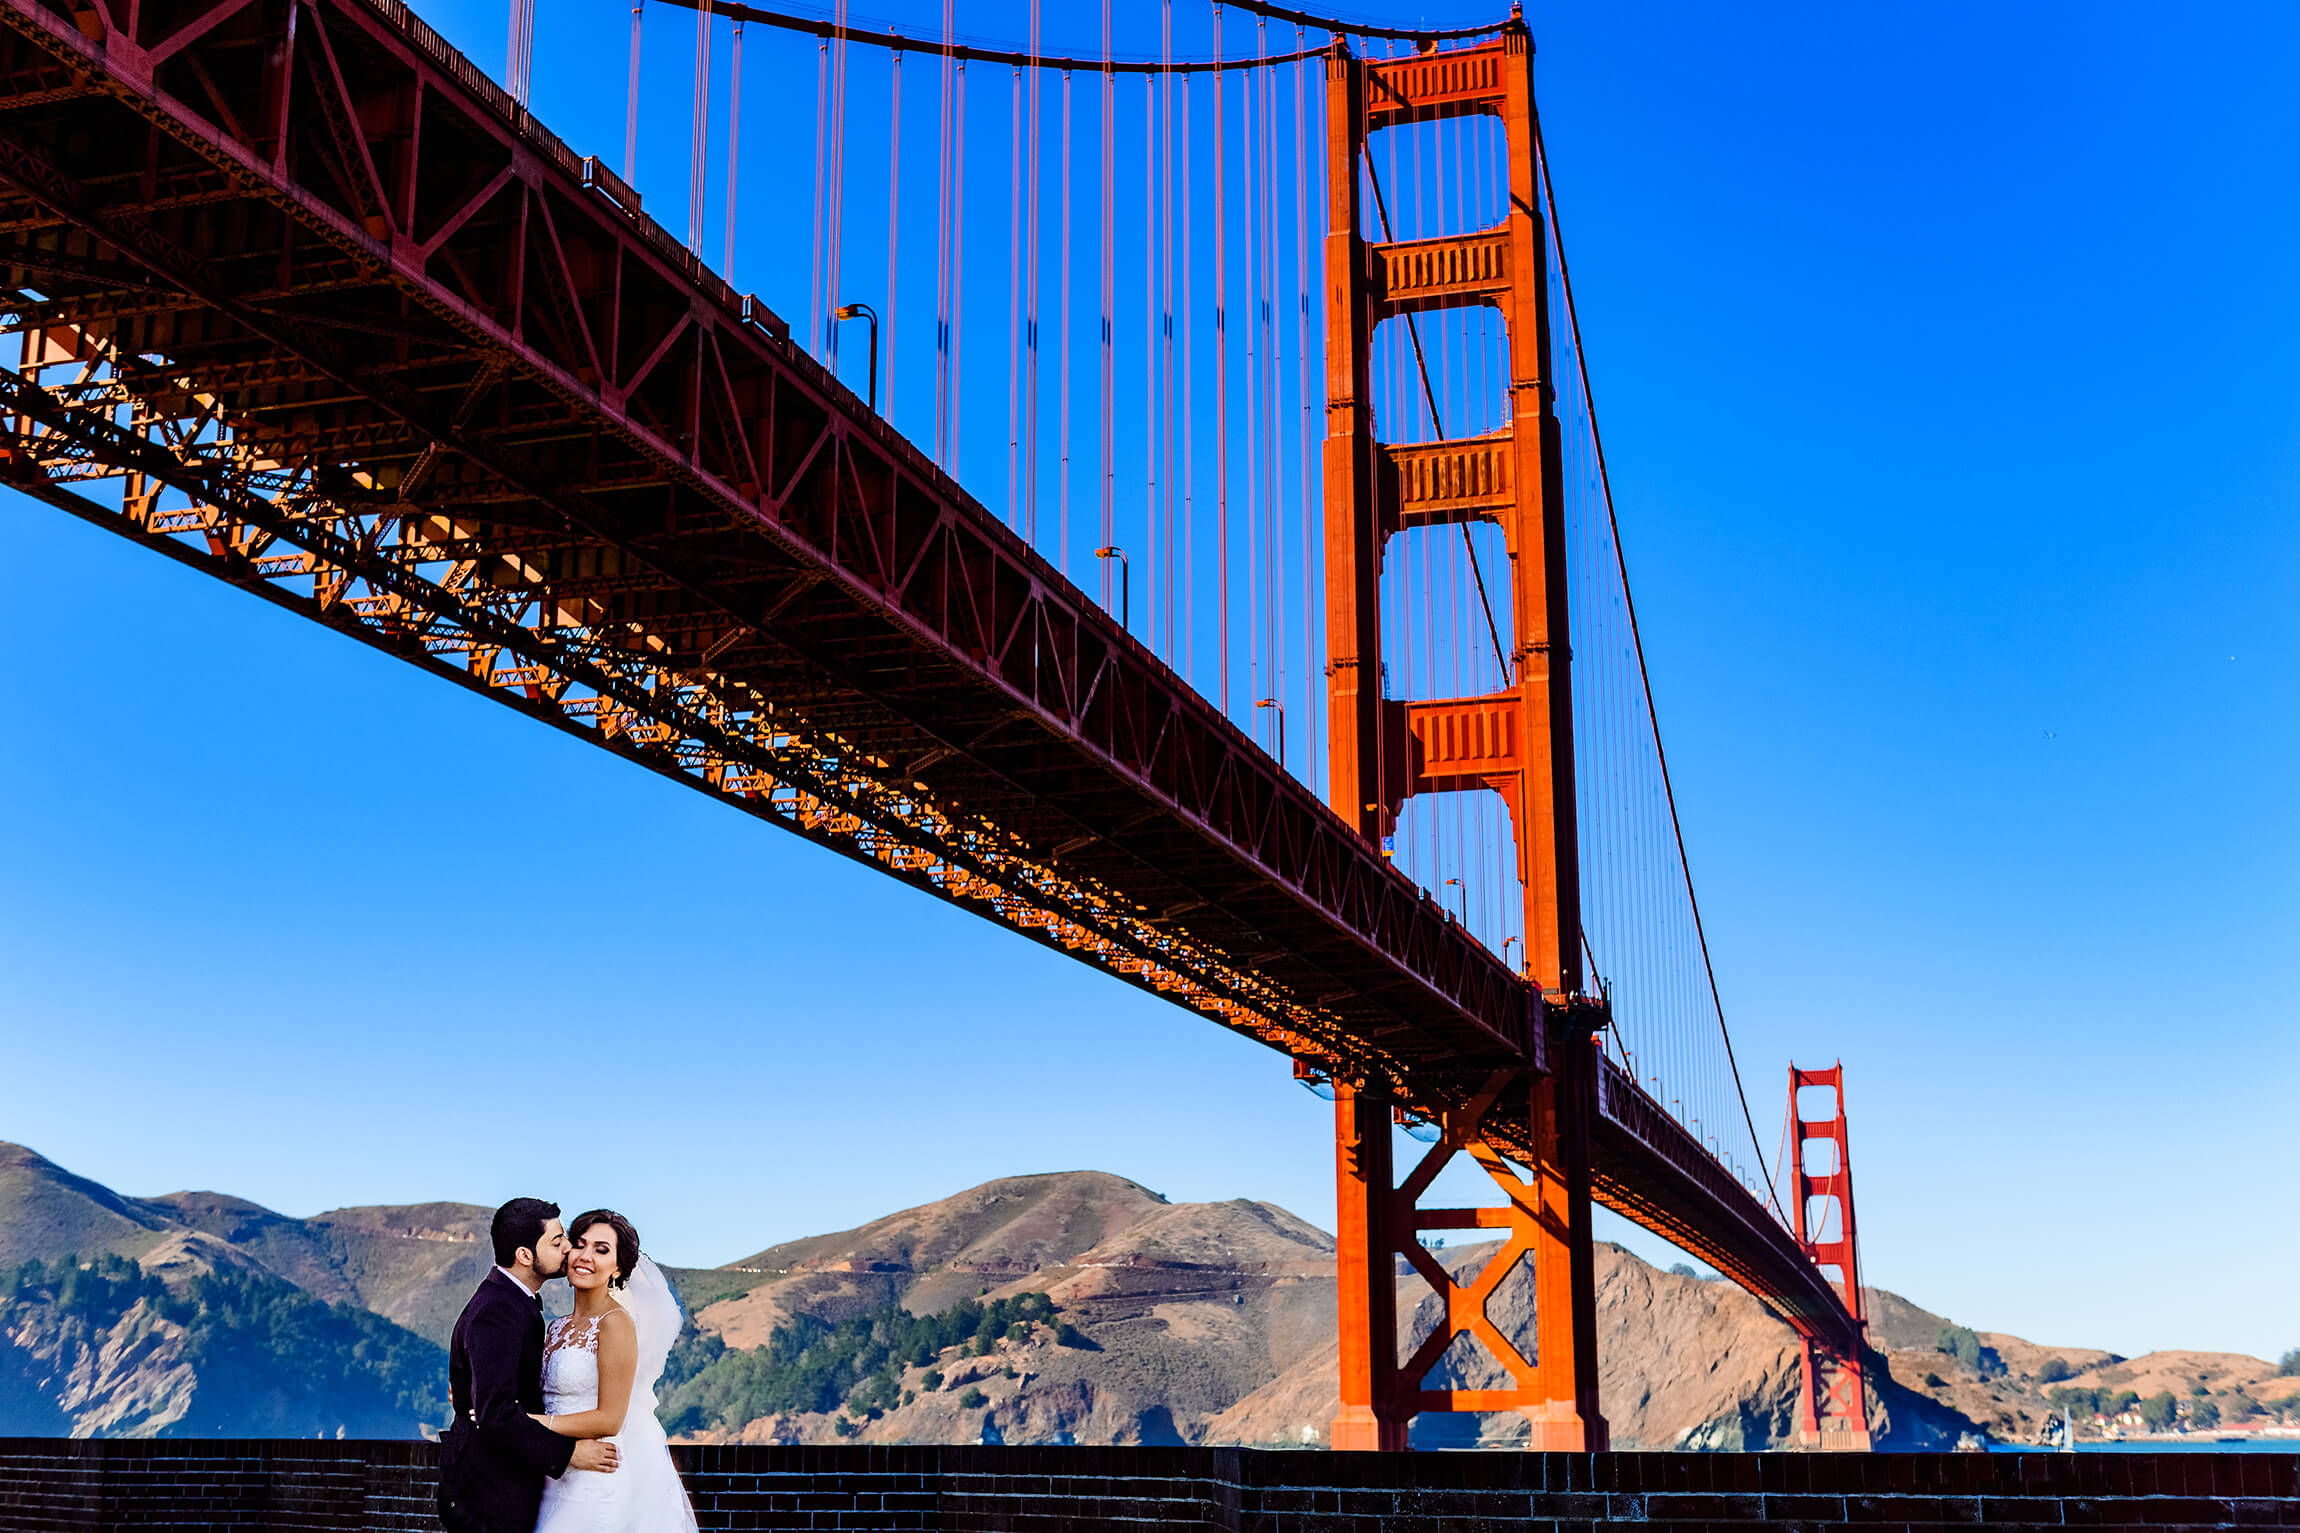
[1964, 1344]
[272, 1360]
[2289, 1363]
[99, 1293]
[808, 1365]
[2159, 1411]
[2053, 1370]
[973, 1400]
[2090, 1402]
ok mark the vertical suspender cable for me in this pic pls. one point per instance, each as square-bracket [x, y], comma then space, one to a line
[817, 309]
[1254, 507]
[893, 226]
[1221, 372]
[1181, 318]
[1637, 640]
[942, 241]
[1150, 335]
[1109, 300]
[1162, 559]
[1307, 444]
[699, 161]
[631, 104]
[1014, 193]
[1273, 487]
[1030, 309]
[521, 50]
[838, 174]
[734, 140]
[1062, 492]
[958, 265]
[1162, 555]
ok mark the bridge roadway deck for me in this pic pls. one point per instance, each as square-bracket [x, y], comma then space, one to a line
[307, 269]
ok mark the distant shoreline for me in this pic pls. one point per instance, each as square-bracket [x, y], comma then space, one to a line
[2285, 1441]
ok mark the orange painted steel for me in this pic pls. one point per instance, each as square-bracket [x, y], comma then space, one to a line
[471, 407]
[1517, 742]
[1832, 1406]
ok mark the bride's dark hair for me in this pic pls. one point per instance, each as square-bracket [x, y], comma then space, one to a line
[626, 1241]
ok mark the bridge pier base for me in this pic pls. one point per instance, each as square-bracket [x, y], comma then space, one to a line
[1833, 1405]
[1366, 1290]
[1546, 1220]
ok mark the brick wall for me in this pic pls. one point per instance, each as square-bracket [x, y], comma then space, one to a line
[47, 1486]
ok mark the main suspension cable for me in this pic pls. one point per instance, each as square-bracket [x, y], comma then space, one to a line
[1637, 642]
[814, 26]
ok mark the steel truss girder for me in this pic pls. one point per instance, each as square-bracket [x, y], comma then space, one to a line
[711, 733]
[881, 559]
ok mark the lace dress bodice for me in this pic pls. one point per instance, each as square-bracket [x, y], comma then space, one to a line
[643, 1495]
[571, 1366]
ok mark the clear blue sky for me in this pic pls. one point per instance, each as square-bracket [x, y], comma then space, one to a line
[1949, 363]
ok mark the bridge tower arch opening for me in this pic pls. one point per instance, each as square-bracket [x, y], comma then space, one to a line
[1516, 741]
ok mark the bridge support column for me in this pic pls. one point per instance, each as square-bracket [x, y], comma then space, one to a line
[1546, 1220]
[1567, 1419]
[1833, 1404]
[1366, 1286]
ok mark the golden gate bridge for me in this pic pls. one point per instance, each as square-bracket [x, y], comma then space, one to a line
[1298, 679]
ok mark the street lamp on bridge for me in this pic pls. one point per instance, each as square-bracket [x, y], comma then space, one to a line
[1464, 888]
[1271, 702]
[1125, 583]
[864, 311]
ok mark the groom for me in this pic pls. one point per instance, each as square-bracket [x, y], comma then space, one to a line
[494, 1455]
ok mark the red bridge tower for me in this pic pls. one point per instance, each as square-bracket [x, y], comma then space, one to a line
[1833, 1408]
[1517, 742]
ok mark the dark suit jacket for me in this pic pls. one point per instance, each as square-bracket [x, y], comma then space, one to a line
[493, 1458]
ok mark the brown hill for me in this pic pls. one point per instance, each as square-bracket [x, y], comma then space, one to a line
[1204, 1322]
[47, 1212]
[1214, 1322]
[931, 1256]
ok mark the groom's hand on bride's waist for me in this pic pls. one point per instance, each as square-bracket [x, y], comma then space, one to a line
[595, 1454]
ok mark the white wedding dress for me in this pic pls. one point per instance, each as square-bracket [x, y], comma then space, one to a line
[643, 1495]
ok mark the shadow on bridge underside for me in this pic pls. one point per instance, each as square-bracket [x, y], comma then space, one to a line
[350, 330]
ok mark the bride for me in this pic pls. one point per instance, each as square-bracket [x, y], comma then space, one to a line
[600, 1365]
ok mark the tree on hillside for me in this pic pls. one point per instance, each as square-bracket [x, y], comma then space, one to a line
[2204, 1413]
[809, 1365]
[2159, 1411]
[2054, 1370]
[2077, 1402]
[1960, 1342]
[1964, 1344]
[2289, 1363]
